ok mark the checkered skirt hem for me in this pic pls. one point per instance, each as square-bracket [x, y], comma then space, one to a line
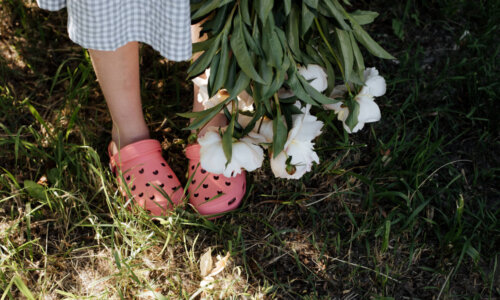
[109, 24]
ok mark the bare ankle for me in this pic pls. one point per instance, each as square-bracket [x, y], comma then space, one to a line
[126, 137]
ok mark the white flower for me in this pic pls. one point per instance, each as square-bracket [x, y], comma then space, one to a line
[374, 83]
[245, 101]
[245, 155]
[369, 111]
[298, 154]
[317, 75]
[262, 132]
[302, 157]
[202, 84]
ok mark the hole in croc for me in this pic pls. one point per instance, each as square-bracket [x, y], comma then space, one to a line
[196, 195]
[205, 186]
[147, 184]
[162, 185]
[152, 197]
[206, 198]
[219, 192]
[170, 176]
[163, 164]
[192, 167]
[228, 183]
[132, 188]
[155, 172]
[203, 171]
[231, 201]
[141, 194]
[216, 177]
[141, 170]
[128, 178]
[193, 182]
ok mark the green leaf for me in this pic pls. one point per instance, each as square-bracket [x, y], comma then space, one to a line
[208, 7]
[264, 7]
[334, 12]
[240, 50]
[217, 22]
[251, 125]
[360, 62]
[223, 69]
[311, 3]
[203, 46]
[192, 114]
[205, 59]
[245, 15]
[330, 72]
[252, 44]
[277, 83]
[352, 119]
[313, 55]
[271, 44]
[364, 17]
[288, 6]
[213, 66]
[227, 138]
[344, 45]
[307, 19]
[317, 96]
[207, 115]
[241, 84]
[370, 44]
[280, 134]
[231, 75]
[35, 190]
[292, 31]
[297, 88]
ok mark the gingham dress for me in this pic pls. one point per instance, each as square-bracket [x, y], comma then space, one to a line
[110, 24]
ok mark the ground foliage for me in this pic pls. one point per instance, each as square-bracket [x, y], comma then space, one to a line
[408, 208]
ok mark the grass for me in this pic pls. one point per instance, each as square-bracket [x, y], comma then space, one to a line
[409, 208]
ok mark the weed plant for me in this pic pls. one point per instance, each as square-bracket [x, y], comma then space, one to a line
[409, 208]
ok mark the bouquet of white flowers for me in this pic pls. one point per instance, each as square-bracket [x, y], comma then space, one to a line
[267, 63]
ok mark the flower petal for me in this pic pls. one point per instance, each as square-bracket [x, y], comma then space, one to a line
[212, 157]
[278, 165]
[368, 110]
[317, 75]
[374, 83]
[245, 102]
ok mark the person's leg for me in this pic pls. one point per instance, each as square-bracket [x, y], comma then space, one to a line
[219, 119]
[145, 174]
[118, 75]
[210, 194]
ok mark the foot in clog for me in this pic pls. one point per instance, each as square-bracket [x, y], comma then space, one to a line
[209, 193]
[150, 181]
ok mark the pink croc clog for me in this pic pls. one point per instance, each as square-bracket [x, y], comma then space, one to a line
[146, 173]
[212, 194]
